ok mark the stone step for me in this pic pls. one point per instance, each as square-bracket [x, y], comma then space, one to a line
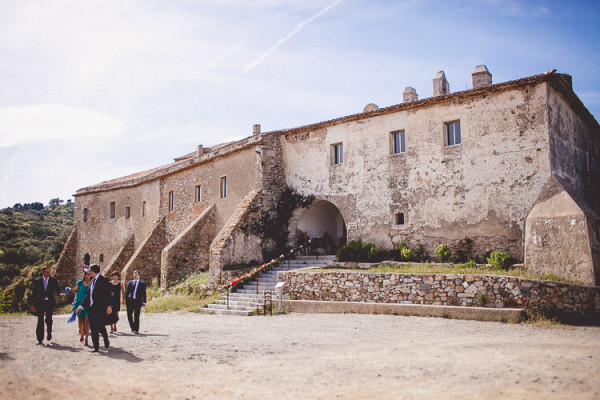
[239, 303]
[224, 312]
[231, 307]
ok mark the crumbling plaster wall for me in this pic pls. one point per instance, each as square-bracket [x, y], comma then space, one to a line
[102, 235]
[575, 160]
[482, 189]
[575, 151]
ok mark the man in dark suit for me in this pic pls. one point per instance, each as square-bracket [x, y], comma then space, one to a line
[98, 303]
[43, 300]
[135, 299]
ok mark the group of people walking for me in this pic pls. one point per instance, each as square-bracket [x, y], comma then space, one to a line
[97, 303]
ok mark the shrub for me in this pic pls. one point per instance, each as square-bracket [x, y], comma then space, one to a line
[405, 252]
[444, 252]
[420, 254]
[499, 259]
[359, 251]
[463, 251]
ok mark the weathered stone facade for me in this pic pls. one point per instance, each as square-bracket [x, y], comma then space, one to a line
[232, 244]
[187, 253]
[442, 289]
[498, 164]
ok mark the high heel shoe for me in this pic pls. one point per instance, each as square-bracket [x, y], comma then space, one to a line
[86, 342]
[81, 338]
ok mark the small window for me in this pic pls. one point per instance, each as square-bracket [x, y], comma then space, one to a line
[452, 133]
[398, 144]
[223, 187]
[101, 257]
[198, 194]
[171, 201]
[400, 219]
[143, 208]
[337, 153]
[85, 215]
[112, 210]
[127, 212]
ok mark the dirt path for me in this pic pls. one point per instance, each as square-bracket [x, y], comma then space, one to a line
[296, 356]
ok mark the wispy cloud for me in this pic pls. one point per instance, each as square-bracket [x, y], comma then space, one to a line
[281, 41]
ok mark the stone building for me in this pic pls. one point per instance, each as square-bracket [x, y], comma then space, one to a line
[513, 166]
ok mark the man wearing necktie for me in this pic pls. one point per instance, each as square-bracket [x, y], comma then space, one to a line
[135, 298]
[98, 303]
[43, 300]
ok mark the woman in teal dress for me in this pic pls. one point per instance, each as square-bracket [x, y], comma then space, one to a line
[82, 318]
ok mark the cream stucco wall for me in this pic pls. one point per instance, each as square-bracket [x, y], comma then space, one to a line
[482, 188]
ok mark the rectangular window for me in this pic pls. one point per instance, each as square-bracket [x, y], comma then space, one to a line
[198, 193]
[400, 219]
[223, 187]
[112, 210]
[171, 201]
[144, 208]
[337, 155]
[127, 212]
[398, 144]
[85, 215]
[452, 133]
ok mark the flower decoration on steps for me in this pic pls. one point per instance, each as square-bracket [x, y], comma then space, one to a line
[264, 267]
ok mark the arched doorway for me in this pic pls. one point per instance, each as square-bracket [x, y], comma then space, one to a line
[321, 217]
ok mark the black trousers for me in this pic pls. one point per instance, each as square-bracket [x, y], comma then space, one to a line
[45, 308]
[133, 314]
[97, 327]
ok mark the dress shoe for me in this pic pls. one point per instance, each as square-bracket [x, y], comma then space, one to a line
[106, 343]
[49, 336]
[95, 351]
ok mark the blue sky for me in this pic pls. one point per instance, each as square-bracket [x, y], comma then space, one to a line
[96, 90]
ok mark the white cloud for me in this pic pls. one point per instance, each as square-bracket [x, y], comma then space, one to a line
[20, 125]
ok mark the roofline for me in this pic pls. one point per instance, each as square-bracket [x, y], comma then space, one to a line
[170, 169]
[560, 82]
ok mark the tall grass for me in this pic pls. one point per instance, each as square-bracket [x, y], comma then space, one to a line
[186, 293]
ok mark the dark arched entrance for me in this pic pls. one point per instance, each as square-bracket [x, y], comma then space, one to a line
[321, 217]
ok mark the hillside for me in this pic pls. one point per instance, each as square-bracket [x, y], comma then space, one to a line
[31, 234]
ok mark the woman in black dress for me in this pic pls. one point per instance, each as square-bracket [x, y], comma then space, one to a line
[117, 289]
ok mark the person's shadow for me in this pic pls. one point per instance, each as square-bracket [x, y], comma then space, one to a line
[56, 346]
[121, 354]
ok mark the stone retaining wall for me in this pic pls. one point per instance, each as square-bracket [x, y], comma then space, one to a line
[442, 289]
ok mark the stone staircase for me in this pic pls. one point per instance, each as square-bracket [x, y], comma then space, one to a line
[248, 298]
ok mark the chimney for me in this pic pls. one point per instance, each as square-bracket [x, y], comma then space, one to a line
[200, 150]
[410, 95]
[440, 84]
[370, 108]
[256, 130]
[481, 77]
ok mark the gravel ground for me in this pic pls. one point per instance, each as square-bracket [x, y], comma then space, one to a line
[302, 356]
